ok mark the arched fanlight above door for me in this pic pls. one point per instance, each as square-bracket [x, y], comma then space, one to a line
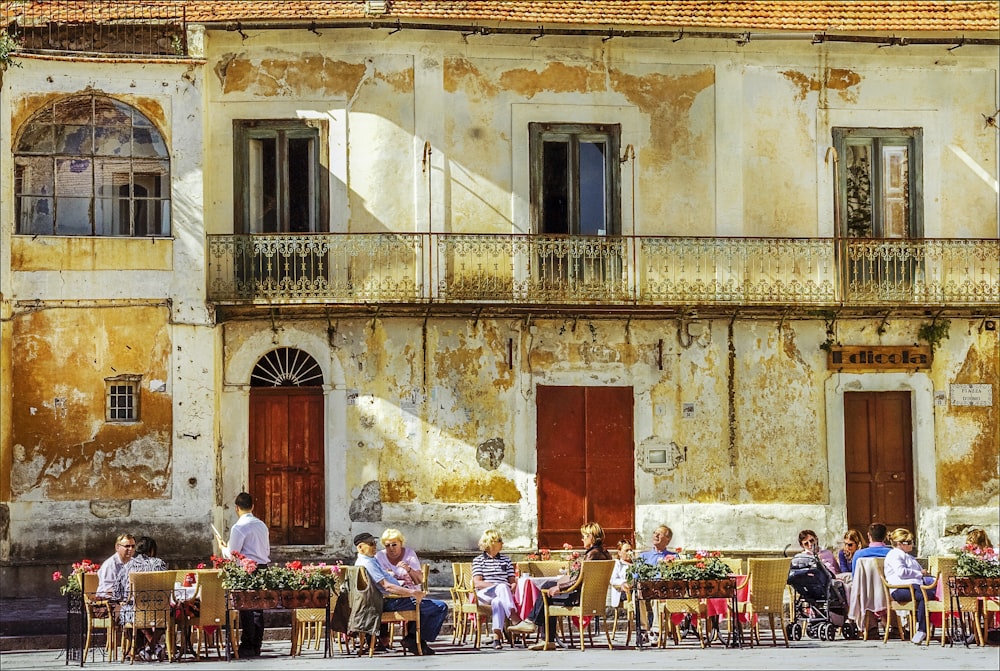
[286, 367]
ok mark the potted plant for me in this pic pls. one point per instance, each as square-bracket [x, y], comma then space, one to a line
[73, 583]
[245, 583]
[977, 571]
[704, 575]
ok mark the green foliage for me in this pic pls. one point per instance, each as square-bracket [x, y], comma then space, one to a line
[703, 566]
[976, 562]
[8, 45]
[935, 332]
[242, 573]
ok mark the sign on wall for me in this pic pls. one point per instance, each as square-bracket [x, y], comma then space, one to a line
[972, 394]
[854, 358]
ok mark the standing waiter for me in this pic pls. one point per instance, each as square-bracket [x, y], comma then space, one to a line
[250, 538]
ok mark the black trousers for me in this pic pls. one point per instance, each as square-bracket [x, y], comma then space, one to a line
[252, 625]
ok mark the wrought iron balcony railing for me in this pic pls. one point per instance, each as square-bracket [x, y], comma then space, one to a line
[537, 270]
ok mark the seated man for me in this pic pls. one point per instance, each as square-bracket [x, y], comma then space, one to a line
[876, 545]
[144, 560]
[662, 536]
[112, 567]
[432, 612]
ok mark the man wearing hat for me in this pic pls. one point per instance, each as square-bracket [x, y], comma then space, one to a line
[432, 611]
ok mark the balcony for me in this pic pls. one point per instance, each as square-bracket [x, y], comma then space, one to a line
[536, 273]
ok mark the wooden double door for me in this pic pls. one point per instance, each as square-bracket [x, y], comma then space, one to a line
[586, 463]
[878, 455]
[286, 463]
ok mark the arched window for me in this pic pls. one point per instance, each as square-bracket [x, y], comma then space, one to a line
[286, 367]
[91, 165]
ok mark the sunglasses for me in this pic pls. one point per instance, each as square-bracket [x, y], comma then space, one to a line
[391, 545]
[126, 546]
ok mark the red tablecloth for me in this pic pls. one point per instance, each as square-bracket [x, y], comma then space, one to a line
[718, 607]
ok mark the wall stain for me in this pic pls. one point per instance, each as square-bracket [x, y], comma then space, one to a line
[492, 488]
[667, 99]
[556, 77]
[836, 79]
[288, 75]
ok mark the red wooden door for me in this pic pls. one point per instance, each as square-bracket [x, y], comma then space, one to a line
[879, 459]
[586, 463]
[286, 463]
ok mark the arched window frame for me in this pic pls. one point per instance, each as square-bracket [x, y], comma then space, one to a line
[91, 165]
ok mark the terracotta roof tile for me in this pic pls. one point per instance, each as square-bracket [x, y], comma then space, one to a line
[793, 15]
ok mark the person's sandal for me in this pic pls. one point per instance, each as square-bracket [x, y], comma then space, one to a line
[497, 644]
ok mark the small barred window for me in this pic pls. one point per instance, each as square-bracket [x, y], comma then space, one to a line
[122, 394]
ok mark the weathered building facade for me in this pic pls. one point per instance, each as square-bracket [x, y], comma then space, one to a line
[520, 265]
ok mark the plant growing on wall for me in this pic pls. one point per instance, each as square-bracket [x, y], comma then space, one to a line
[935, 332]
[8, 45]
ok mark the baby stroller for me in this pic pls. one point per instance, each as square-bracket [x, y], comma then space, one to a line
[820, 603]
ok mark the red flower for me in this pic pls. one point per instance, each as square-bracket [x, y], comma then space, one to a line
[201, 565]
[56, 576]
[294, 565]
[567, 546]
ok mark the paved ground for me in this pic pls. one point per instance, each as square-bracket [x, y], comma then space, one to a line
[802, 654]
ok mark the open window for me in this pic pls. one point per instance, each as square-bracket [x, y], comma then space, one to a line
[576, 209]
[279, 176]
[879, 192]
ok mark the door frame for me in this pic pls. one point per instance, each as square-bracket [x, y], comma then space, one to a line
[921, 390]
[233, 466]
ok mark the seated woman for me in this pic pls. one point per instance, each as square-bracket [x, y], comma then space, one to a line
[852, 543]
[493, 579]
[978, 538]
[144, 560]
[619, 577]
[902, 568]
[403, 564]
[809, 543]
[593, 540]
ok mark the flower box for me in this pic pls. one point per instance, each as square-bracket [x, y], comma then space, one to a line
[973, 586]
[304, 598]
[254, 599]
[721, 588]
[662, 589]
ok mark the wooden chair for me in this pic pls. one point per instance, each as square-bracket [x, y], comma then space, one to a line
[307, 628]
[688, 606]
[425, 577]
[768, 586]
[944, 568]
[469, 608]
[99, 617]
[910, 607]
[151, 594]
[593, 581]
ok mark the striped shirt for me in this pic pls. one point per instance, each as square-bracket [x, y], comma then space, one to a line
[497, 569]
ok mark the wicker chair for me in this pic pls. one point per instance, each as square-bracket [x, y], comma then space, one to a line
[99, 618]
[910, 606]
[944, 568]
[541, 568]
[593, 581]
[210, 622]
[467, 604]
[151, 593]
[768, 586]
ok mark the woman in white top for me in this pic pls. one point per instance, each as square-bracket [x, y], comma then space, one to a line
[619, 576]
[902, 568]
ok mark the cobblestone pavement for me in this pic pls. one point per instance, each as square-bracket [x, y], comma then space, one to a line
[801, 654]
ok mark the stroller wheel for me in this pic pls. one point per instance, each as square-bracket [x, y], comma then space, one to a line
[812, 630]
[850, 631]
[829, 632]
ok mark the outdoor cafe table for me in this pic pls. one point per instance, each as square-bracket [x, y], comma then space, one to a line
[713, 607]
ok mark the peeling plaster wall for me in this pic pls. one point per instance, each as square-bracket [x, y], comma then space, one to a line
[430, 425]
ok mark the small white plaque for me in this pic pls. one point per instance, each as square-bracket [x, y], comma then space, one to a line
[687, 410]
[972, 394]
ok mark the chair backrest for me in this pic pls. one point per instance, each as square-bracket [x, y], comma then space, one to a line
[768, 582]
[151, 595]
[595, 576]
[212, 608]
[735, 564]
[541, 568]
[90, 583]
[425, 576]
